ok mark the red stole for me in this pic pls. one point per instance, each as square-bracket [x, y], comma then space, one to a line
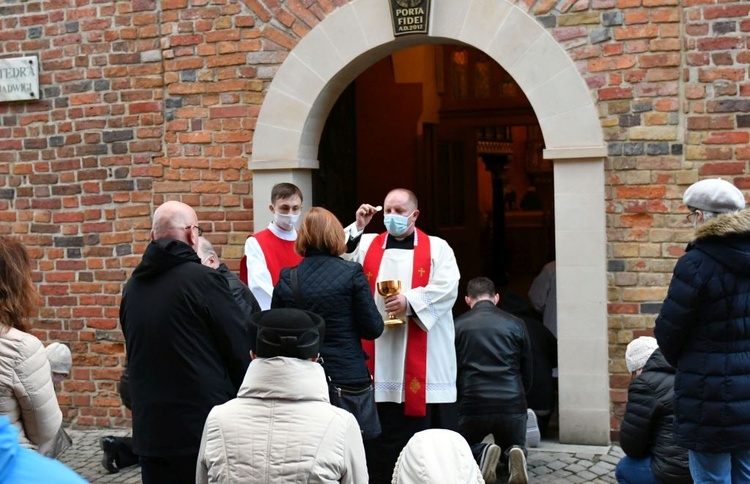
[279, 253]
[415, 367]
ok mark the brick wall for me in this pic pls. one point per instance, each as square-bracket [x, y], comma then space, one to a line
[142, 101]
[148, 100]
[689, 94]
[687, 86]
[76, 174]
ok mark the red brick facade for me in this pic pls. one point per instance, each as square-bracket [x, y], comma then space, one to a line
[147, 100]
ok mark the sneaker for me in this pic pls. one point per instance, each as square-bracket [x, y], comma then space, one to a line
[517, 467]
[107, 444]
[533, 436]
[488, 462]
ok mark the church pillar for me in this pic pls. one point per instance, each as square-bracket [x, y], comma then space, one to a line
[582, 340]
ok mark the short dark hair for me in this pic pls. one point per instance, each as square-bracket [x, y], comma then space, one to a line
[480, 286]
[285, 190]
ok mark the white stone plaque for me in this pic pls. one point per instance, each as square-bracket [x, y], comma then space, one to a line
[19, 79]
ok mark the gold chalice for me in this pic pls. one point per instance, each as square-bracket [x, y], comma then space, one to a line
[386, 289]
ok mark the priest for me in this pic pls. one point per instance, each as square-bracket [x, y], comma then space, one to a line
[414, 363]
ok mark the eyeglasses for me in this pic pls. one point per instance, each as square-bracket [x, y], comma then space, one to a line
[691, 216]
[200, 230]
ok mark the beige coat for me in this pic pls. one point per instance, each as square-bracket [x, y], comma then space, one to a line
[281, 429]
[27, 395]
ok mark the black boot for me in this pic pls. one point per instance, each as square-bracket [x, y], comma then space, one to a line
[107, 444]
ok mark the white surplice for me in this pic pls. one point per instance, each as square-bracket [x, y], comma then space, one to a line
[432, 305]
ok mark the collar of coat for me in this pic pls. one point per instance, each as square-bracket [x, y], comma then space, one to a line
[285, 378]
[725, 225]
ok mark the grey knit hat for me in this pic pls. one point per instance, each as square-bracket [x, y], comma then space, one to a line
[60, 360]
[714, 195]
[639, 351]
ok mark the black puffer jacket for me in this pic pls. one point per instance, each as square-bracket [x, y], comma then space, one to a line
[338, 291]
[494, 358]
[186, 345]
[647, 426]
[704, 331]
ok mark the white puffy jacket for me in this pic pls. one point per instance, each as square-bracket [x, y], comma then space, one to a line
[27, 394]
[436, 456]
[281, 428]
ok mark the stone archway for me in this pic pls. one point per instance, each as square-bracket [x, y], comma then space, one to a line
[336, 51]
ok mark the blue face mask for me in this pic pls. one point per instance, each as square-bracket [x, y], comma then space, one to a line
[396, 225]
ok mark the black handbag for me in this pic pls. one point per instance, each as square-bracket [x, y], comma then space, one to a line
[360, 402]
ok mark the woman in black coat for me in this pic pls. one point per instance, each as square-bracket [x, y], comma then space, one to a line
[646, 431]
[703, 330]
[338, 291]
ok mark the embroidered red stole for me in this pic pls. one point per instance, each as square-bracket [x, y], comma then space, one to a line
[415, 366]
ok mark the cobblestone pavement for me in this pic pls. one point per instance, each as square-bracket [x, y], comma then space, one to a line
[85, 457]
[573, 464]
[550, 463]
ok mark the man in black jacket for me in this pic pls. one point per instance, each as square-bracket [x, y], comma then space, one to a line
[186, 347]
[646, 434]
[494, 373]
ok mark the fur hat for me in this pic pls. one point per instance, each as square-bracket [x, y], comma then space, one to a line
[288, 332]
[60, 360]
[436, 455]
[639, 351]
[714, 195]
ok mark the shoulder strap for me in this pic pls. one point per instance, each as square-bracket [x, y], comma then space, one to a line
[295, 287]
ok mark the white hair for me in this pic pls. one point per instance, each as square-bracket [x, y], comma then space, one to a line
[205, 246]
[709, 215]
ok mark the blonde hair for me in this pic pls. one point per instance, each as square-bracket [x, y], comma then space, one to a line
[322, 230]
[18, 296]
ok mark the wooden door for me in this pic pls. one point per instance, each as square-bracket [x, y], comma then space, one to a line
[335, 183]
[449, 189]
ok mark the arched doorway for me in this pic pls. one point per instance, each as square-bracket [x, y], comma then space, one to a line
[451, 124]
[287, 136]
